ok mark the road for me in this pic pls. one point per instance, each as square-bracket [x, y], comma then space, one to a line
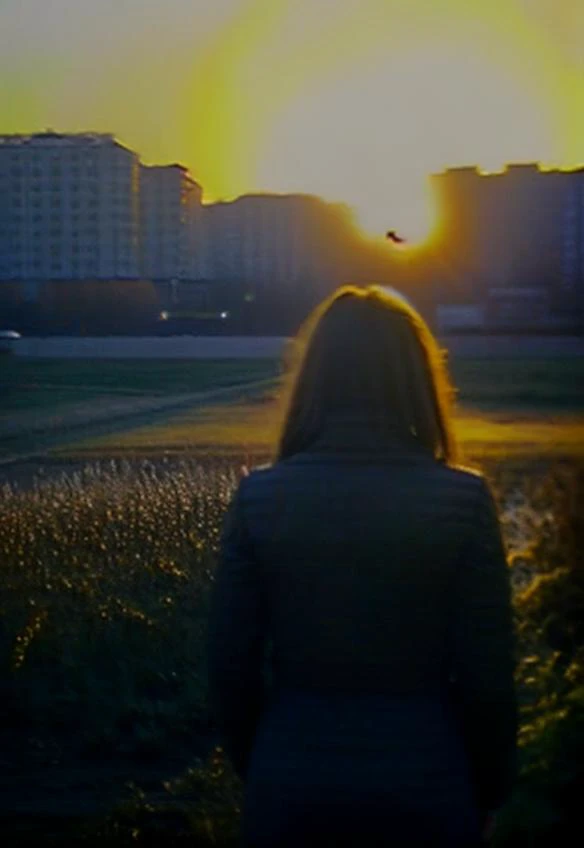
[273, 347]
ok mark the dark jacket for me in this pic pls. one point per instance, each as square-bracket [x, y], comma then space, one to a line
[370, 573]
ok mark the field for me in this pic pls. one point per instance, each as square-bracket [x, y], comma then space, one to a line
[105, 736]
[42, 400]
[505, 408]
[32, 385]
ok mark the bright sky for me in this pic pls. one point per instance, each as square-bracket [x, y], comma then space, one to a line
[355, 100]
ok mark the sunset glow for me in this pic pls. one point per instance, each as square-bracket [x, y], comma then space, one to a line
[353, 100]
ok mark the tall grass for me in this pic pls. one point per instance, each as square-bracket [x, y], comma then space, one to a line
[103, 604]
[105, 579]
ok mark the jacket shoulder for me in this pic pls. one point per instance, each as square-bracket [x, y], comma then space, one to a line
[258, 476]
[465, 479]
[467, 473]
[258, 472]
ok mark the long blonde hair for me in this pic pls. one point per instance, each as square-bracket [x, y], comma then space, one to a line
[367, 351]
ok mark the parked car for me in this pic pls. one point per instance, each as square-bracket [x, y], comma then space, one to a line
[7, 339]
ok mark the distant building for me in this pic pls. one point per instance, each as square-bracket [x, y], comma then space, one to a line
[512, 241]
[466, 318]
[171, 220]
[278, 244]
[69, 208]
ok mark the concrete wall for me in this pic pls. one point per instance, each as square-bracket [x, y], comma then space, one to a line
[251, 347]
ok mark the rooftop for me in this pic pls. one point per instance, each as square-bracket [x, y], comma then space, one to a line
[50, 138]
[515, 168]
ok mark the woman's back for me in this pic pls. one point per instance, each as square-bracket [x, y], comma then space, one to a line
[361, 662]
[359, 555]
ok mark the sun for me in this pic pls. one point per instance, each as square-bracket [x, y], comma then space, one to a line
[372, 138]
[363, 107]
[410, 212]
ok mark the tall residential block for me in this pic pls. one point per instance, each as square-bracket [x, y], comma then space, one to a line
[69, 208]
[171, 217]
[278, 242]
[514, 241]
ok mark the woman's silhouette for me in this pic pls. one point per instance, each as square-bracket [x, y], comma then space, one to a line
[361, 644]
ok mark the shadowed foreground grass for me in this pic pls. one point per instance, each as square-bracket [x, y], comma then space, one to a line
[105, 732]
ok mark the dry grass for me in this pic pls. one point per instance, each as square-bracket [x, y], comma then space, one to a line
[105, 579]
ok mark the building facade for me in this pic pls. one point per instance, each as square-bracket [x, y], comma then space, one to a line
[170, 224]
[277, 243]
[508, 253]
[69, 208]
[513, 242]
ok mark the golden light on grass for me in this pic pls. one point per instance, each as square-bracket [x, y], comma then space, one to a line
[232, 428]
[522, 435]
[252, 428]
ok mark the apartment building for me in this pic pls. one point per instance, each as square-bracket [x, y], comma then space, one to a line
[171, 223]
[512, 241]
[69, 208]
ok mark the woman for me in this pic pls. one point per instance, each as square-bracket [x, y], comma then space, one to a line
[361, 646]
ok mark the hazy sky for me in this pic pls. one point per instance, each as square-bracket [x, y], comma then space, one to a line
[352, 99]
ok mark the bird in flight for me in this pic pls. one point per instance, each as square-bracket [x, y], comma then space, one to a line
[392, 236]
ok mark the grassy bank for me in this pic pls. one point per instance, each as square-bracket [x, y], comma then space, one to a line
[244, 429]
[505, 408]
